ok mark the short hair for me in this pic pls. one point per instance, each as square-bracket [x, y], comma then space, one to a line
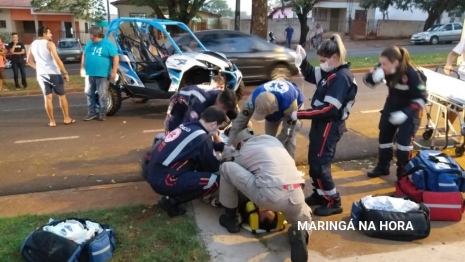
[214, 114]
[96, 31]
[12, 34]
[218, 79]
[227, 98]
[42, 30]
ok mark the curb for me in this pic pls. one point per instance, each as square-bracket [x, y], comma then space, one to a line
[36, 92]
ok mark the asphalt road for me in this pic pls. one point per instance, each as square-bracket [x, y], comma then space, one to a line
[36, 157]
[73, 68]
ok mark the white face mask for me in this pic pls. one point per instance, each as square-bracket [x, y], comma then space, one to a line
[393, 71]
[326, 67]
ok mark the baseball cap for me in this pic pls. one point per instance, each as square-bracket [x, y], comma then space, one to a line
[265, 104]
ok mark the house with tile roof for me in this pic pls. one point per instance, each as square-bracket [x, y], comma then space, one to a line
[20, 17]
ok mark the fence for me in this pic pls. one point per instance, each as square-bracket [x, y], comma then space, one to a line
[27, 37]
[385, 29]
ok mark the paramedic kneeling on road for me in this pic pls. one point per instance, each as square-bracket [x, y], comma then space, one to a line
[402, 110]
[266, 174]
[275, 101]
[334, 96]
[184, 166]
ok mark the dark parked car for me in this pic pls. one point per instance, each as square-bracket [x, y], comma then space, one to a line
[69, 49]
[257, 59]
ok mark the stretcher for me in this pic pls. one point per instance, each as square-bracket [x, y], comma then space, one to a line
[447, 94]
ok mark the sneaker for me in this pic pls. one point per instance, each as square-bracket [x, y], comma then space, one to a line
[299, 242]
[90, 117]
[102, 118]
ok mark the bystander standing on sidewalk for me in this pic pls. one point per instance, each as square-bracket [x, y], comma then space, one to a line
[43, 57]
[288, 33]
[2, 64]
[99, 64]
[18, 51]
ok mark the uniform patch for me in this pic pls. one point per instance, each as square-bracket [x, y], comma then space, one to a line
[173, 135]
[421, 87]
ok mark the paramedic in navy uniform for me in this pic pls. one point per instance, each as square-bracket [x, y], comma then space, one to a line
[189, 103]
[334, 96]
[184, 166]
[277, 102]
[402, 110]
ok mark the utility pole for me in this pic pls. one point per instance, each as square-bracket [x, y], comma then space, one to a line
[237, 16]
[108, 11]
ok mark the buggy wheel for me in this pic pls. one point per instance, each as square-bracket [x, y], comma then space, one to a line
[115, 100]
[139, 100]
[459, 151]
[427, 134]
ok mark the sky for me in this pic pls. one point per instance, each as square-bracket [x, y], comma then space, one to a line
[246, 6]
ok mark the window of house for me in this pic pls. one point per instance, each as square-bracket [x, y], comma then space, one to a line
[138, 15]
[320, 14]
[2, 24]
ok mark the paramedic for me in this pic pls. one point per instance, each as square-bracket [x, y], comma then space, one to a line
[184, 166]
[402, 110]
[458, 50]
[334, 97]
[277, 102]
[189, 103]
[266, 174]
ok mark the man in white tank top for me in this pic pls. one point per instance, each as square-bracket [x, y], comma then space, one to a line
[43, 57]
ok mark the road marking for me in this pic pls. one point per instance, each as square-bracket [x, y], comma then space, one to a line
[370, 111]
[46, 139]
[153, 131]
[38, 108]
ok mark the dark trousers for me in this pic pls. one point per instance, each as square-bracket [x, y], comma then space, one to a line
[22, 69]
[404, 140]
[186, 186]
[324, 137]
[177, 117]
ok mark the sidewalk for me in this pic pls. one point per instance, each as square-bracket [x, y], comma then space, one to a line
[445, 242]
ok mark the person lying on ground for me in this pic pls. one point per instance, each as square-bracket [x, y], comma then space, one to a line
[277, 102]
[184, 166]
[266, 174]
[43, 57]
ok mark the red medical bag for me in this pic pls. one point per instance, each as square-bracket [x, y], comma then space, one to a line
[444, 206]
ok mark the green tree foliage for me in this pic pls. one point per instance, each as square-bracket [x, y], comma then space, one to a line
[220, 7]
[92, 10]
[302, 8]
[179, 10]
[434, 8]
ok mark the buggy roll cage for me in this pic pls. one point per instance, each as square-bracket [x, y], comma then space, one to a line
[114, 27]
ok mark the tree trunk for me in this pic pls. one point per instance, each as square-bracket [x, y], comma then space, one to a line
[432, 17]
[303, 28]
[259, 21]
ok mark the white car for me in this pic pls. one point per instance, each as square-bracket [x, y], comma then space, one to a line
[439, 33]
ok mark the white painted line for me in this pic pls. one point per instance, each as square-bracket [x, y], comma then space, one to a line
[153, 131]
[370, 111]
[39, 108]
[46, 139]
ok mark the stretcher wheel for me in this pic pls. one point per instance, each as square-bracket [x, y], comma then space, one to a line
[427, 134]
[459, 151]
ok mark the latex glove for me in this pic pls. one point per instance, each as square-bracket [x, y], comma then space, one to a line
[228, 151]
[294, 115]
[378, 75]
[398, 117]
[83, 72]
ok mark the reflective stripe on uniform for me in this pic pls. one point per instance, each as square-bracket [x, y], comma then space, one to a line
[333, 101]
[317, 74]
[326, 192]
[404, 148]
[181, 147]
[388, 145]
[195, 93]
[211, 181]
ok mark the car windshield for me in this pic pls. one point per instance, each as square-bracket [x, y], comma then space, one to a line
[434, 28]
[68, 44]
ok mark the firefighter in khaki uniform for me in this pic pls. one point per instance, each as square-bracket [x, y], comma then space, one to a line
[266, 174]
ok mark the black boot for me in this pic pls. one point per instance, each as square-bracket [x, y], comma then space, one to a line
[230, 220]
[315, 199]
[332, 208]
[171, 206]
[299, 242]
[378, 171]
